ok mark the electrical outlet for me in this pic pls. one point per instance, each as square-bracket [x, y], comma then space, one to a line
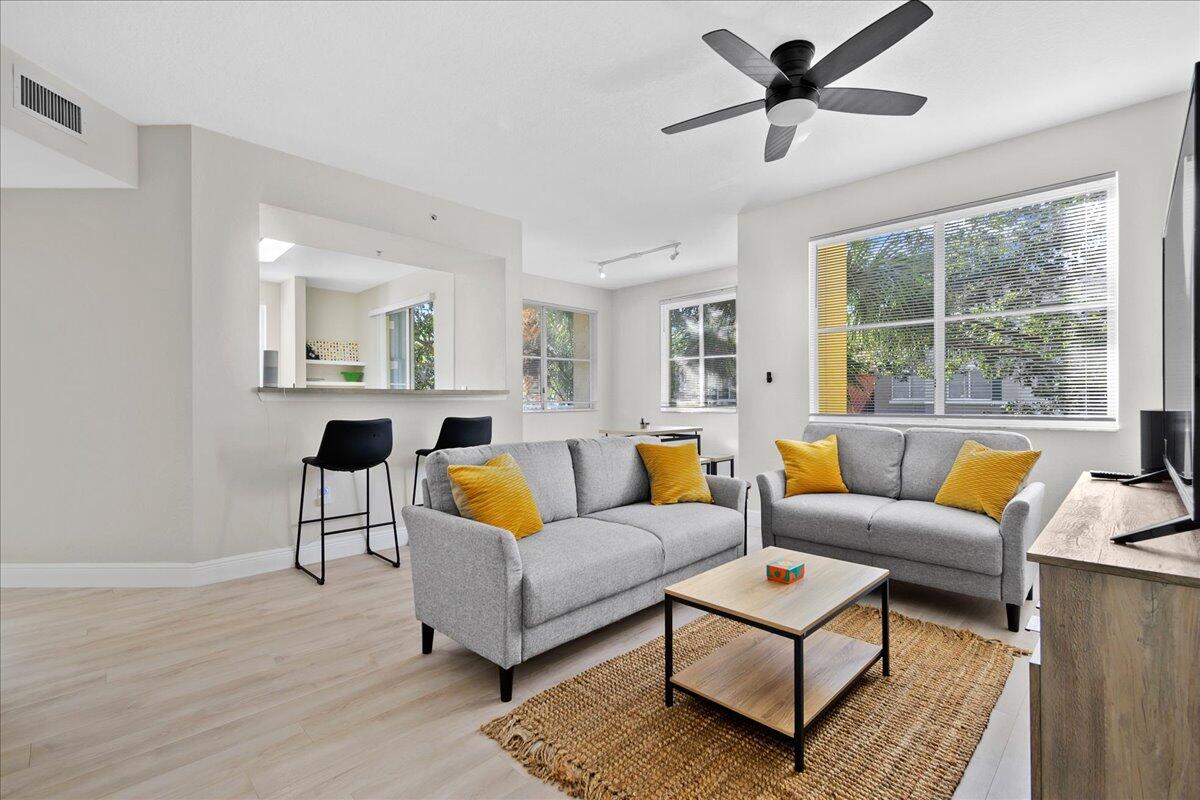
[328, 498]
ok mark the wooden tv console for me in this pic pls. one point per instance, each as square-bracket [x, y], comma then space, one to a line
[1114, 683]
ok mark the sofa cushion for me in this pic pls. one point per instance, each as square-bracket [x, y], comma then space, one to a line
[933, 534]
[869, 456]
[843, 520]
[574, 562]
[688, 531]
[546, 466]
[930, 452]
[608, 472]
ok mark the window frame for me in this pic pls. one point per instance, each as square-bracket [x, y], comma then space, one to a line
[384, 341]
[665, 307]
[591, 404]
[938, 219]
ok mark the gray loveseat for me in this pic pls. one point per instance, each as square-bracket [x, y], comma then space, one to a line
[889, 518]
[604, 553]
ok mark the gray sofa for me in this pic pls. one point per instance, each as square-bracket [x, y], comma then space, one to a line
[889, 518]
[604, 553]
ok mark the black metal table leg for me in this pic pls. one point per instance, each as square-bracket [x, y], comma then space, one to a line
[884, 591]
[798, 705]
[669, 694]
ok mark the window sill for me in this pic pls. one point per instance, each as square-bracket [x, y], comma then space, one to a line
[712, 410]
[559, 410]
[990, 421]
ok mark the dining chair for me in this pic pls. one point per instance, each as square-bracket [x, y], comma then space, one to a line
[349, 446]
[455, 432]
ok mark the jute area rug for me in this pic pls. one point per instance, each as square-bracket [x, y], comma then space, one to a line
[605, 733]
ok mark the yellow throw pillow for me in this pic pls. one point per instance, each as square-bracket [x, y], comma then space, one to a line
[811, 467]
[496, 493]
[675, 474]
[983, 480]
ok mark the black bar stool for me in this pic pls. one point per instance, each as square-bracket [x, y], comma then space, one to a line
[455, 432]
[348, 446]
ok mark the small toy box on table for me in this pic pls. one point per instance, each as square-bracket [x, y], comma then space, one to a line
[785, 570]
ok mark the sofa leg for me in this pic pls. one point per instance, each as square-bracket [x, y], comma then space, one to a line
[506, 682]
[426, 639]
[1014, 616]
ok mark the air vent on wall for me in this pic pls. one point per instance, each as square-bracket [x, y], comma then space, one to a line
[48, 105]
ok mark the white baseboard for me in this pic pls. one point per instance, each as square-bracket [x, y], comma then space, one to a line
[182, 573]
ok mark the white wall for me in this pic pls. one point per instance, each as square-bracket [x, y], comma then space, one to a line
[547, 425]
[96, 462]
[477, 354]
[268, 295]
[247, 452]
[37, 154]
[331, 316]
[1140, 143]
[155, 434]
[636, 321]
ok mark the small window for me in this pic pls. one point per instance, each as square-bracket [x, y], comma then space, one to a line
[409, 332]
[557, 358]
[699, 352]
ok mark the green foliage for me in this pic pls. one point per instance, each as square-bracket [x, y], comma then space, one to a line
[422, 328]
[1019, 259]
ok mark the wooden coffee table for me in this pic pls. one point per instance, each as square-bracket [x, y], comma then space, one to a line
[788, 669]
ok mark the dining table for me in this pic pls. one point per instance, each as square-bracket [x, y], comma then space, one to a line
[670, 433]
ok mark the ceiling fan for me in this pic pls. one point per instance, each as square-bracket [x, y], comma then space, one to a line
[795, 90]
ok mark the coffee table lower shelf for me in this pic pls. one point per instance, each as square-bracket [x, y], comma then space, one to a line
[753, 675]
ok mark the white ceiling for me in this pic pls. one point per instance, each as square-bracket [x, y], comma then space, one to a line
[550, 112]
[325, 269]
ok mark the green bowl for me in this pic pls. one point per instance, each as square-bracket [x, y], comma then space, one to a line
[353, 377]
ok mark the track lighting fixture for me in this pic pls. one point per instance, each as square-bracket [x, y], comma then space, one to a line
[671, 246]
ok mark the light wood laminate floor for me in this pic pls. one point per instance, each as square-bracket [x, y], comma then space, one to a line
[271, 686]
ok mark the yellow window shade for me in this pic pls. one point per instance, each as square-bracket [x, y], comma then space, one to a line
[831, 312]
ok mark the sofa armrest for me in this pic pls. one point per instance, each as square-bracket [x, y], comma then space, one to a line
[771, 489]
[728, 492]
[1020, 524]
[467, 582]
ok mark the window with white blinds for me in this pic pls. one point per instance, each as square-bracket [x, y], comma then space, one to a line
[699, 352]
[557, 347]
[1004, 309]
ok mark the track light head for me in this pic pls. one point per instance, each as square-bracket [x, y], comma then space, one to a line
[675, 255]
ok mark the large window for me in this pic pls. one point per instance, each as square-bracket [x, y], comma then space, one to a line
[1005, 310]
[699, 352]
[409, 334]
[557, 347]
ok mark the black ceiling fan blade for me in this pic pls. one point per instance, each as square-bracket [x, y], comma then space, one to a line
[779, 139]
[871, 101]
[743, 57]
[715, 116]
[869, 42]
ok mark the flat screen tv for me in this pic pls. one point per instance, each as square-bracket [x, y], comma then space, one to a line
[1181, 302]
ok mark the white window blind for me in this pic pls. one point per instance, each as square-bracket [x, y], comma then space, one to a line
[1003, 309]
[699, 351]
[557, 347]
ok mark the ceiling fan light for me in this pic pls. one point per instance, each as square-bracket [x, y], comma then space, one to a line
[793, 112]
